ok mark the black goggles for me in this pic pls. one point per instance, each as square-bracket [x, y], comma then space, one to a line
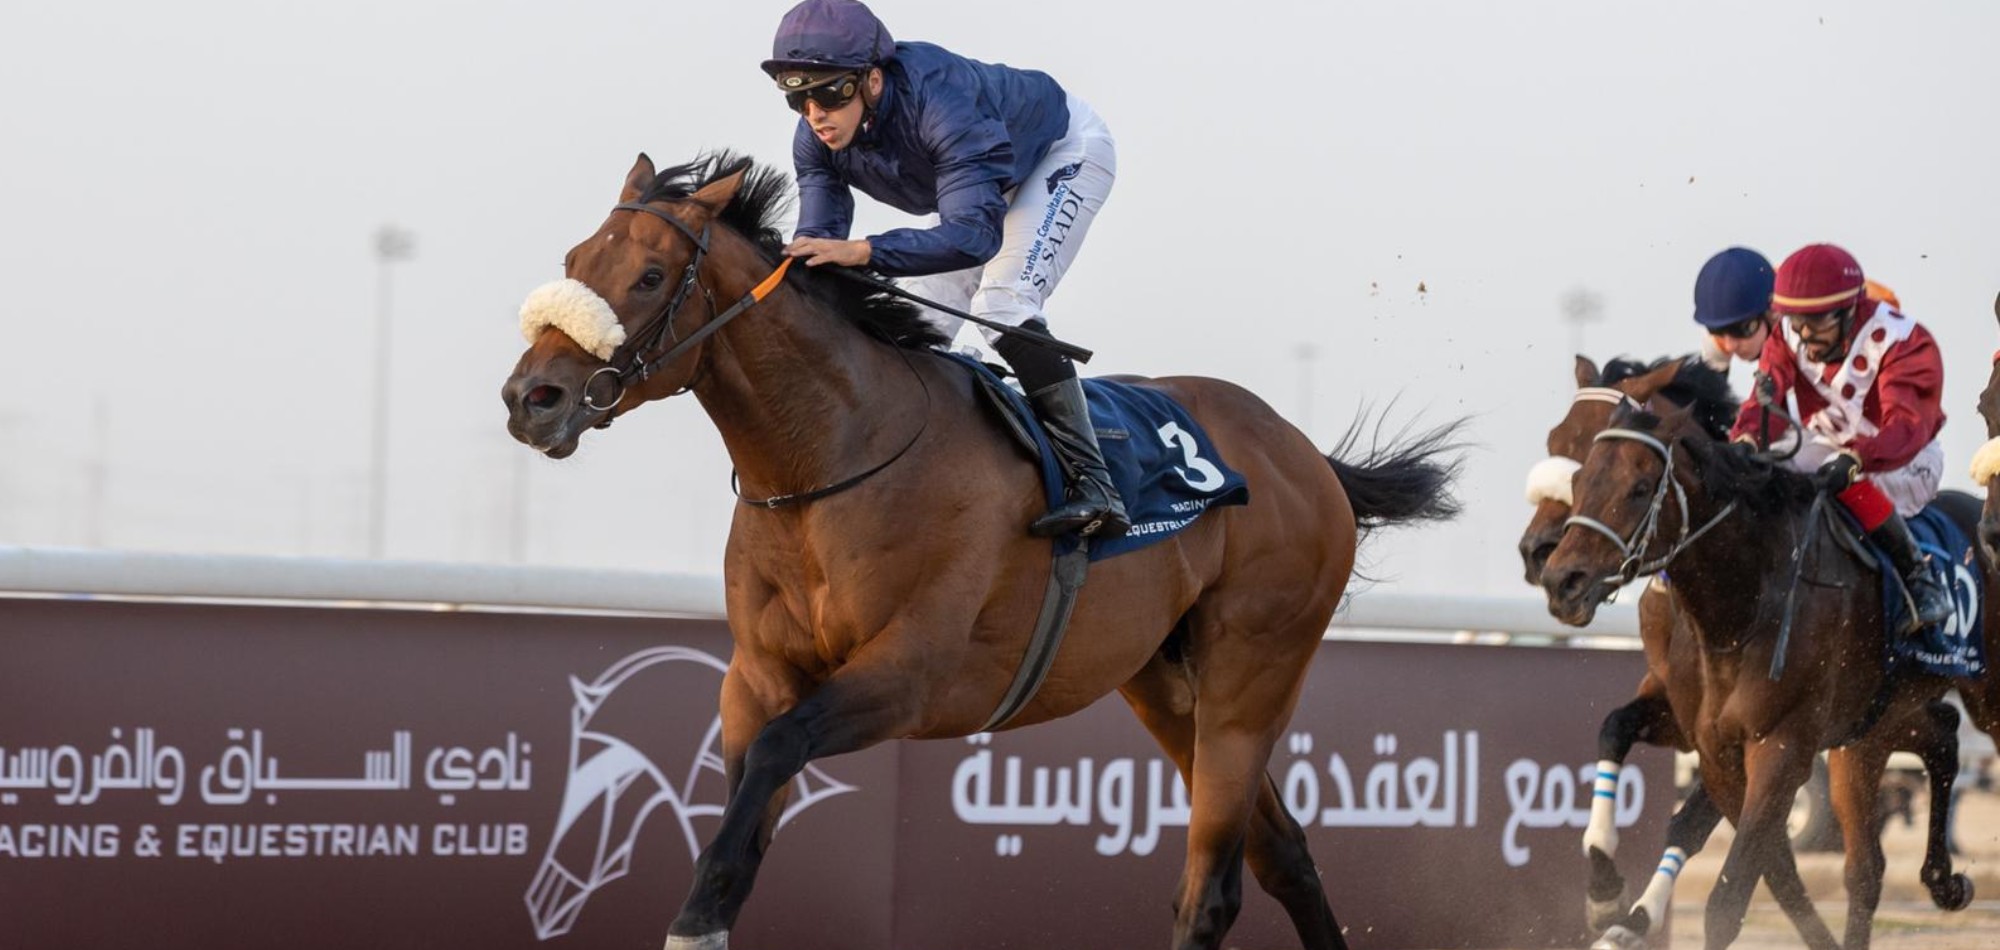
[1743, 329]
[1818, 323]
[828, 95]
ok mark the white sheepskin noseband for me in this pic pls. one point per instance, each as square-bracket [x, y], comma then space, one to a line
[576, 310]
[1549, 480]
[1986, 462]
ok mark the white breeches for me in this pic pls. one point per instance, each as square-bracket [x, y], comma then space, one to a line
[1048, 216]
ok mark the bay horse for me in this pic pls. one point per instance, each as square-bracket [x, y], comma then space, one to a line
[1738, 523]
[900, 605]
[1669, 693]
[1663, 701]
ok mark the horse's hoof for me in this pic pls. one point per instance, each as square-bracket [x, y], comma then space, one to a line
[1956, 894]
[1619, 938]
[715, 941]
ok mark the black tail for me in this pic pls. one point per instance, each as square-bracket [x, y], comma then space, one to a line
[1395, 484]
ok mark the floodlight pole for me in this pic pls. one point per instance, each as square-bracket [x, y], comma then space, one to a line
[392, 244]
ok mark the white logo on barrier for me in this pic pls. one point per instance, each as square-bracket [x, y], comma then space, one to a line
[613, 787]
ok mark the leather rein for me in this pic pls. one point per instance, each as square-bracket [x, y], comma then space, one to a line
[633, 365]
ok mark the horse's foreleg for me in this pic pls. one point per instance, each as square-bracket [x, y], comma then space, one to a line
[1687, 832]
[1774, 768]
[1646, 718]
[862, 704]
[1855, 781]
[1939, 748]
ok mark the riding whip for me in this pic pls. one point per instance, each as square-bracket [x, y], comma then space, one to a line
[1070, 350]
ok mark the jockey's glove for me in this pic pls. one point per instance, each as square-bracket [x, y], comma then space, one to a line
[1838, 473]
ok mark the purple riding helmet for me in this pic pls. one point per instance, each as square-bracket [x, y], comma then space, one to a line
[820, 35]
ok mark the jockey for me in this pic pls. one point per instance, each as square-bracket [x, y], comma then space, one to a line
[1732, 301]
[1867, 382]
[1013, 167]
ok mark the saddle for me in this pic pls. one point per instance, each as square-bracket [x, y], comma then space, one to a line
[1161, 460]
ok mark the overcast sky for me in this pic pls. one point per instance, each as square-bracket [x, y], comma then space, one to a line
[1336, 204]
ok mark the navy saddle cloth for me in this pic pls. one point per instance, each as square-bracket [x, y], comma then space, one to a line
[1167, 471]
[1954, 647]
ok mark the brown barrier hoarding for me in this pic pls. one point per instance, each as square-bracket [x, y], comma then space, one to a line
[236, 776]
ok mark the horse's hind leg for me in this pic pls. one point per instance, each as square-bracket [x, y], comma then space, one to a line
[1939, 748]
[1163, 700]
[1247, 679]
[1285, 870]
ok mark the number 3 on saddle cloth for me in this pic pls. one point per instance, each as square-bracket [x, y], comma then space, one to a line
[1161, 461]
[1951, 648]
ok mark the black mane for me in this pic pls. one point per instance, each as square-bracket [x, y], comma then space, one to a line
[1728, 471]
[757, 211]
[1696, 384]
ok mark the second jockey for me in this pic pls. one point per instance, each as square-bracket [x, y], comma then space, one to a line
[1867, 382]
[1014, 169]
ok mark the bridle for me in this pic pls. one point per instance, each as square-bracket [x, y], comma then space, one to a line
[1633, 546]
[632, 363]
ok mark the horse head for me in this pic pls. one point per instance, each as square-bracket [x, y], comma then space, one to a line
[608, 336]
[1598, 393]
[1986, 464]
[623, 767]
[1639, 496]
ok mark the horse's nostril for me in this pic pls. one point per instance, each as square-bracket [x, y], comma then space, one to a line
[1572, 585]
[543, 398]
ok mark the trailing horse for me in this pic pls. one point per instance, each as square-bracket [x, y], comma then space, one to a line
[1662, 712]
[1663, 701]
[885, 588]
[1758, 724]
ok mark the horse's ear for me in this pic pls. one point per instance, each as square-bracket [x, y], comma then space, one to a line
[717, 195]
[1644, 387]
[638, 179]
[1586, 372]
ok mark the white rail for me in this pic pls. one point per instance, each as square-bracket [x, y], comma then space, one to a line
[76, 572]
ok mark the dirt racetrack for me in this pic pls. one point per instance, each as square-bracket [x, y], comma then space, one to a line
[1906, 921]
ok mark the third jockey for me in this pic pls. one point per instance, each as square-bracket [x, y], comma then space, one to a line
[1013, 167]
[1867, 382]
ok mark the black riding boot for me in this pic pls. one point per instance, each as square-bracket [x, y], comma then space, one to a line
[1929, 599]
[1092, 508]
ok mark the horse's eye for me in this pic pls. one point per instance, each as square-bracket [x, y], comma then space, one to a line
[652, 279]
[1642, 489]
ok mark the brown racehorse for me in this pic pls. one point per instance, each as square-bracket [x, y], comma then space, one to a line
[1662, 713]
[1986, 465]
[1663, 701]
[1738, 525]
[901, 606]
